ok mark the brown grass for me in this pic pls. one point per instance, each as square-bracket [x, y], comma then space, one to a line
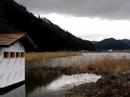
[38, 59]
[46, 55]
[108, 65]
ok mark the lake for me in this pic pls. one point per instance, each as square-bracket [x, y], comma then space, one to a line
[86, 57]
[55, 84]
[53, 87]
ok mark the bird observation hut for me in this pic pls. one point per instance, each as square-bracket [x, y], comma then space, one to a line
[12, 57]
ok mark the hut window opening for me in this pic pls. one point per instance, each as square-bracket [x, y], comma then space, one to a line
[6, 54]
[22, 55]
[18, 54]
[12, 54]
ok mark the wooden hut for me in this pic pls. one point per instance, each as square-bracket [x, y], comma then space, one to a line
[12, 59]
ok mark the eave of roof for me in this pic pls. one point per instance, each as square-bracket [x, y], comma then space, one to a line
[7, 39]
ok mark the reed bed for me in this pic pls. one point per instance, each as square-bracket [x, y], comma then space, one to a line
[107, 64]
[44, 55]
[38, 59]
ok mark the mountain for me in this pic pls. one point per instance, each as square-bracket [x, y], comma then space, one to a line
[47, 36]
[112, 43]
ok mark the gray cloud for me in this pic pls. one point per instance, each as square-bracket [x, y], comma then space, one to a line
[111, 9]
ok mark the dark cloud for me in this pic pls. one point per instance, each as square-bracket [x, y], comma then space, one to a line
[113, 9]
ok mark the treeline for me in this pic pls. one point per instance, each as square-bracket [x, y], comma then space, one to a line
[47, 36]
[113, 44]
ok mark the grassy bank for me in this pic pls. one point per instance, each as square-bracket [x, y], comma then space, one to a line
[114, 83]
[38, 59]
[108, 65]
[45, 55]
[107, 86]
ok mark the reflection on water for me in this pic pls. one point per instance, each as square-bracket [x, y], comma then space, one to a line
[55, 87]
[35, 80]
[69, 81]
[53, 83]
[100, 55]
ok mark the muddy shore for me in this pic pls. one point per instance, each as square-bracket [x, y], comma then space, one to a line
[67, 71]
[107, 86]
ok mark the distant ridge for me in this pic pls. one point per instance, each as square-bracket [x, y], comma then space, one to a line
[112, 43]
[48, 36]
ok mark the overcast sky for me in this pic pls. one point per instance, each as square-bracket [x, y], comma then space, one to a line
[87, 19]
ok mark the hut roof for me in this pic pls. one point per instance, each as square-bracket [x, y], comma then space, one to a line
[7, 39]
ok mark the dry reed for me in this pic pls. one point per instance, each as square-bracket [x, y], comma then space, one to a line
[46, 55]
[106, 64]
[109, 65]
[38, 59]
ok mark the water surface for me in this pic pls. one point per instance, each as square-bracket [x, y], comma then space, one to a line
[55, 84]
[54, 88]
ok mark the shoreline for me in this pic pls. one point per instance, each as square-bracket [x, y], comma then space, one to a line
[107, 86]
[115, 81]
